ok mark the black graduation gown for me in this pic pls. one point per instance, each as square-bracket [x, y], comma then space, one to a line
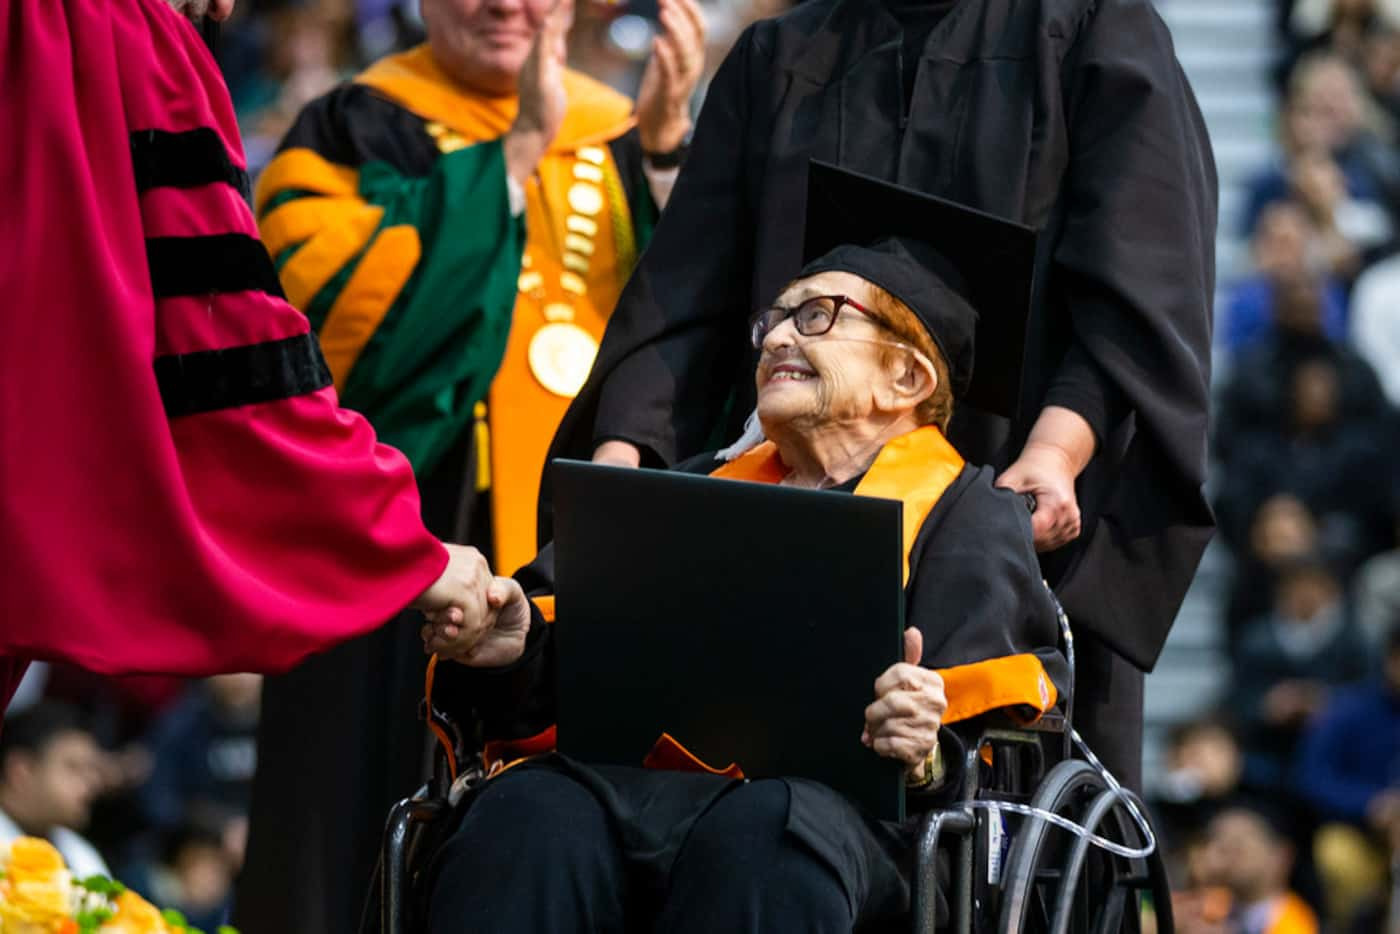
[974, 591]
[1071, 116]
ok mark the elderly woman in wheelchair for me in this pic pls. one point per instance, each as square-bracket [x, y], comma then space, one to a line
[861, 359]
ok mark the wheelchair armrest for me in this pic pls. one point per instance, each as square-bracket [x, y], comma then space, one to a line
[394, 880]
[959, 821]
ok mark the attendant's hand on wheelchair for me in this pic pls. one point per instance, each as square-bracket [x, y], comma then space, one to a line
[904, 720]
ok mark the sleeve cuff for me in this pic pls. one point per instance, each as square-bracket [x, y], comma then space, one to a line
[660, 181]
[515, 195]
[1083, 388]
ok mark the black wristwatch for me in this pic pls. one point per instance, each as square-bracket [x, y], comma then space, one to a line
[668, 160]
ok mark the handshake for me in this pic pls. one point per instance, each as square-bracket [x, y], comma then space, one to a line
[474, 617]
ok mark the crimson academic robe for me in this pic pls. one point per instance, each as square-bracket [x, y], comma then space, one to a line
[181, 492]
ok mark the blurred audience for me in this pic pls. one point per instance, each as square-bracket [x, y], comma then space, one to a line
[1281, 532]
[1349, 770]
[50, 773]
[1335, 157]
[1375, 322]
[205, 753]
[1376, 588]
[194, 874]
[1285, 247]
[1243, 887]
[1305, 415]
[1204, 769]
[1288, 664]
[1341, 26]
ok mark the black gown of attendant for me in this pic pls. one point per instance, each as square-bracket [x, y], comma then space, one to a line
[975, 593]
[1070, 116]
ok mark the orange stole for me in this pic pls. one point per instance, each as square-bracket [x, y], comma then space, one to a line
[522, 413]
[917, 469]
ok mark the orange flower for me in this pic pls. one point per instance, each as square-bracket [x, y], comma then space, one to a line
[135, 915]
[32, 858]
[37, 892]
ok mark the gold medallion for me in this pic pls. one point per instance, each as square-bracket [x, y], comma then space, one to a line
[561, 355]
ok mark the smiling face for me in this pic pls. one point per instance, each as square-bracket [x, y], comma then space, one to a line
[484, 43]
[845, 376]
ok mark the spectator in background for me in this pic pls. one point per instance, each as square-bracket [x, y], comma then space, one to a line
[1381, 67]
[1343, 26]
[50, 769]
[1329, 462]
[1376, 588]
[1288, 663]
[1204, 768]
[1248, 856]
[306, 56]
[1349, 770]
[205, 754]
[1261, 384]
[1282, 531]
[1285, 245]
[1375, 322]
[1326, 113]
[194, 875]
[1347, 229]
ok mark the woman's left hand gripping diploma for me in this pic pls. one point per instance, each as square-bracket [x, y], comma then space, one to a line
[903, 721]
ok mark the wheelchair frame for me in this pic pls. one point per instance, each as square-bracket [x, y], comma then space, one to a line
[1044, 881]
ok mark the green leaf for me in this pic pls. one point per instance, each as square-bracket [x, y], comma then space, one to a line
[174, 917]
[101, 885]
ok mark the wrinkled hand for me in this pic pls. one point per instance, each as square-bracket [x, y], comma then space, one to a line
[904, 720]
[677, 60]
[1046, 472]
[474, 617]
[542, 97]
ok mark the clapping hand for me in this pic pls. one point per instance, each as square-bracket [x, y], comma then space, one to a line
[904, 720]
[677, 60]
[543, 100]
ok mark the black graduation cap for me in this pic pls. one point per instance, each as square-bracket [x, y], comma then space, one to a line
[966, 274]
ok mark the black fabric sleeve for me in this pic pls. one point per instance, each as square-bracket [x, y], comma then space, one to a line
[1081, 386]
[514, 701]
[975, 589]
[1136, 257]
[670, 354]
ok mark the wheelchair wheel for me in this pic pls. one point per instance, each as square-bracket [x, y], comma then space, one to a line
[1055, 883]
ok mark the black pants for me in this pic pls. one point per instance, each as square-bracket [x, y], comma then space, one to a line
[1108, 694]
[537, 852]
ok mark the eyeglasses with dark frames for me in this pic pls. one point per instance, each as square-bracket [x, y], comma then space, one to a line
[812, 317]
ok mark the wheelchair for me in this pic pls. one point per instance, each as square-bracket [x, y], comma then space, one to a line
[1011, 873]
